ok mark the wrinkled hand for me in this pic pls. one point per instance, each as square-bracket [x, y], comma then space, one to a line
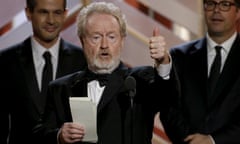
[71, 132]
[158, 50]
[198, 139]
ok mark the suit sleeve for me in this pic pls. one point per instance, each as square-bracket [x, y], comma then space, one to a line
[170, 114]
[4, 103]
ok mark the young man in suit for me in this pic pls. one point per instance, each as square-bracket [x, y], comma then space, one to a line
[208, 113]
[102, 31]
[22, 65]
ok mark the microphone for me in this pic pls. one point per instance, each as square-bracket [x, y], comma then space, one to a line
[130, 87]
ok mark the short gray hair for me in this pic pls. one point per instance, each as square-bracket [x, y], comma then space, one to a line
[100, 7]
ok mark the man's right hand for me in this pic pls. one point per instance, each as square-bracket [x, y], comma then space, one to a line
[71, 132]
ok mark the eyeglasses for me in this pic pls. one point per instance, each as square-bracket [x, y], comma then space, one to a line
[223, 5]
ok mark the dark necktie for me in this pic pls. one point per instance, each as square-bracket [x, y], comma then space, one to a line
[101, 78]
[47, 74]
[215, 70]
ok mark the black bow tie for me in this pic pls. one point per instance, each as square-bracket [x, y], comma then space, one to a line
[101, 78]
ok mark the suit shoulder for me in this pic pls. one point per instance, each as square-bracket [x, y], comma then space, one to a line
[67, 79]
[146, 73]
[71, 46]
[72, 50]
[11, 50]
[185, 47]
[138, 69]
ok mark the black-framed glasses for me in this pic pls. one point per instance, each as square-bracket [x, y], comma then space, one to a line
[223, 5]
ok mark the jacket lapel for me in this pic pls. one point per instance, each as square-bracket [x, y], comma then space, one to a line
[63, 60]
[79, 85]
[198, 70]
[26, 62]
[230, 73]
[113, 87]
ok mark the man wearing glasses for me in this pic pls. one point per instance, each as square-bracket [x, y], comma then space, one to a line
[209, 76]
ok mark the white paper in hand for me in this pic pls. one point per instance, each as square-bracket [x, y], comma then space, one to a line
[84, 112]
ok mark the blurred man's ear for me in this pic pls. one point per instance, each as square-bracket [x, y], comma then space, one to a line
[28, 14]
[65, 13]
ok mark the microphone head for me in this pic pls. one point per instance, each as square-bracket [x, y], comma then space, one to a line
[130, 83]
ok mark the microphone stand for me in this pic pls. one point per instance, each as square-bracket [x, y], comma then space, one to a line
[130, 85]
[131, 95]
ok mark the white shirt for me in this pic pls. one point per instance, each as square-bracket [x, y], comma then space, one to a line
[38, 60]
[95, 91]
[226, 46]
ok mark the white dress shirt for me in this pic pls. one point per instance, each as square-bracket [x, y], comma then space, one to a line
[226, 46]
[38, 60]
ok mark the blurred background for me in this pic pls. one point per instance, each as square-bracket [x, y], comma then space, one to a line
[179, 21]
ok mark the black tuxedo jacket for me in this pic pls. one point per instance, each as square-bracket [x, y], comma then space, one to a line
[114, 124]
[217, 115]
[20, 92]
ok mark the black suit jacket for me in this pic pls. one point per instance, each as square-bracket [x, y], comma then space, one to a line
[20, 92]
[217, 115]
[113, 111]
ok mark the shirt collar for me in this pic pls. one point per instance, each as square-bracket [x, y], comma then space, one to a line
[226, 44]
[38, 49]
